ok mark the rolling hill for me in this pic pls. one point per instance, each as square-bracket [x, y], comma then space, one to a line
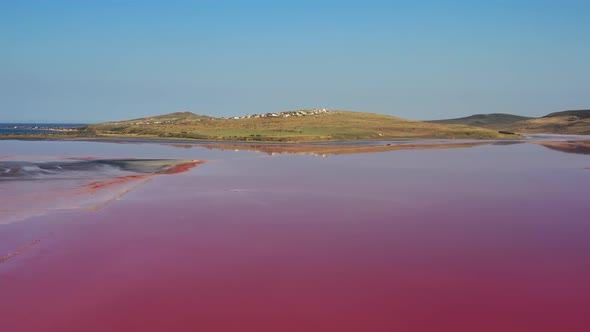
[571, 122]
[292, 126]
[582, 114]
[172, 117]
[484, 120]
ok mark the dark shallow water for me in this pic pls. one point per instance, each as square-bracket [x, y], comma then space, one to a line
[487, 238]
[33, 128]
[7, 131]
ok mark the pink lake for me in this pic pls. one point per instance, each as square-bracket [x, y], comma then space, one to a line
[485, 238]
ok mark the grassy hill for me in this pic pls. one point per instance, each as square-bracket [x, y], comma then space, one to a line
[568, 122]
[572, 122]
[287, 127]
[582, 114]
[172, 117]
[484, 120]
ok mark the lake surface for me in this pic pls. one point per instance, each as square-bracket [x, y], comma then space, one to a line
[482, 238]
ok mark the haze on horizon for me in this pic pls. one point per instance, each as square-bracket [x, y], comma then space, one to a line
[81, 61]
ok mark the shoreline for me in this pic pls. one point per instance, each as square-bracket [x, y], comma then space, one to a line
[61, 137]
[157, 139]
[68, 135]
[567, 144]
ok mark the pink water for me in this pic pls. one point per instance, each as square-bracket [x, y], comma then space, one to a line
[491, 238]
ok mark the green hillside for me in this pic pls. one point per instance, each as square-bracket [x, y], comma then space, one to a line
[172, 117]
[485, 120]
[582, 114]
[566, 122]
[572, 122]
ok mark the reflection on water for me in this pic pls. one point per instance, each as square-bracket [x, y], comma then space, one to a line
[579, 147]
[325, 149]
[340, 148]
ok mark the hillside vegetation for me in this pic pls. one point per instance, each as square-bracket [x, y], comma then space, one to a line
[330, 125]
[485, 120]
[573, 122]
[582, 114]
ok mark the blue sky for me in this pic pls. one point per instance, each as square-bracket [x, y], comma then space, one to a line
[90, 61]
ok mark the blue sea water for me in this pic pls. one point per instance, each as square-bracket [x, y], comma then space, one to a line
[33, 128]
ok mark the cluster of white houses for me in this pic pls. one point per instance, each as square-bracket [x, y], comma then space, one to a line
[151, 122]
[284, 114]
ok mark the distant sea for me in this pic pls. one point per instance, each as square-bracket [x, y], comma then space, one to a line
[32, 128]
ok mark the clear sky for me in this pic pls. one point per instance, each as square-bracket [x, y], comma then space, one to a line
[90, 61]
